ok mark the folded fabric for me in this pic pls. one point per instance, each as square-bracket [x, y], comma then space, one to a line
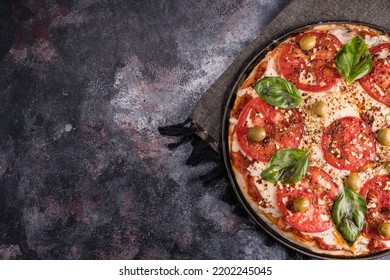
[206, 119]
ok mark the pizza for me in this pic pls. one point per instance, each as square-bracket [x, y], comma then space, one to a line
[309, 139]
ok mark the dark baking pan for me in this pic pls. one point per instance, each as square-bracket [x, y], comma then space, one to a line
[225, 145]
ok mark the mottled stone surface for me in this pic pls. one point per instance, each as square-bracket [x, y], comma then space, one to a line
[83, 87]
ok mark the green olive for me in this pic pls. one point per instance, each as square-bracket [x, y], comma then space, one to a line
[307, 42]
[354, 182]
[256, 134]
[301, 204]
[383, 136]
[387, 167]
[384, 229]
[320, 108]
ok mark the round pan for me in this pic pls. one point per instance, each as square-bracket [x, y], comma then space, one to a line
[225, 145]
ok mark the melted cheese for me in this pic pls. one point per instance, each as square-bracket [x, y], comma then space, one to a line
[266, 189]
[375, 40]
[271, 69]
[383, 54]
[235, 145]
[249, 91]
[344, 35]
[306, 78]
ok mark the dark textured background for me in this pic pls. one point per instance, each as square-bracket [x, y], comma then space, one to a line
[83, 87]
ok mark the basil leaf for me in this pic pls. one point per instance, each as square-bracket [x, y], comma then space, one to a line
[287, 166]
[353, 60]
[278, 92]
[348, 214]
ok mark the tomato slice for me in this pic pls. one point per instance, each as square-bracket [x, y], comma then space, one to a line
[321, 191]
[312, 70]
[348, 143]
[377, 82]
[377, 194]
[284, 129]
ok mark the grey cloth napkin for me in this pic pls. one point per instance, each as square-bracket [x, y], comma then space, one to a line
[207, 115]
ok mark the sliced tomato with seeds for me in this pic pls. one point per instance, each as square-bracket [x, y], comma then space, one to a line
[321, 192]
[348, 143]
[377, 82]
[313, 70]
[284, 129]
[377, 194]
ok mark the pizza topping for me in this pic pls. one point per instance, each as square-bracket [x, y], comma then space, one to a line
[377, 194]
[354, 61]
[242, 101]
[343, 34]
[278, 92]
[284, 128]
[256, 74]
[368, 116]
[377, 82]
[354, 182]
[320, 108]
[240, 162]
[287, 166]
[307, 42]
[348, 214]
[301, 204]
[319, 189]
[313, 69]
[256, 134]
[261, 70]
[348, 143]
[383, 136]
[387, 167]
[383, 54]
[273, 65]
[384, 230]
[374, 39]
